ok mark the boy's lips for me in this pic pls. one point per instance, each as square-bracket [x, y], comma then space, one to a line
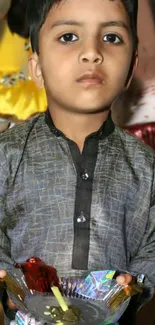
[91, 78]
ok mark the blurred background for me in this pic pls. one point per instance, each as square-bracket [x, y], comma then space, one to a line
[135, 110]
[20, 99]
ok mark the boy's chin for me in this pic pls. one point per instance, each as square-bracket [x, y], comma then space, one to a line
[92, 105]
[92, 108]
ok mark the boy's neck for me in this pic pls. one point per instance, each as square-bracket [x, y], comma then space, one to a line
[78, 126]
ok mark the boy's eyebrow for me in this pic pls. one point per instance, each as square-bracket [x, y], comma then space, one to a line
[117, 23]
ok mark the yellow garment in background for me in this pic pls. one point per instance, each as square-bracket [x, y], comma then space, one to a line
[19, 99]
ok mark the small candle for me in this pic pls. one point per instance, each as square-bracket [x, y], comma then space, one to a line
[59, 298]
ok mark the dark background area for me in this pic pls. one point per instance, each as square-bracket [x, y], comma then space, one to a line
[152, 4]
[146, 316]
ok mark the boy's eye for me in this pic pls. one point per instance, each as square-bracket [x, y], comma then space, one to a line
[68, 38]
[112, 38]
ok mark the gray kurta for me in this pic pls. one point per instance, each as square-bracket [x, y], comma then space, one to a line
[37, 197]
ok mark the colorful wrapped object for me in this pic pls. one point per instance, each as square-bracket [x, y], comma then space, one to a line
[43, 298]
[96, 284]
[22, 319]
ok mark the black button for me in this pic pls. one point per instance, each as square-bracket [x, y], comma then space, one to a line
[81, 218]
[56, 132]
[84, 175]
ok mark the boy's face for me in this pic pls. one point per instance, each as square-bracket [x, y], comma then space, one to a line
[85, 54]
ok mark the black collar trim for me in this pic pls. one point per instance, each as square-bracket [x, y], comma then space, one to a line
[105, 130]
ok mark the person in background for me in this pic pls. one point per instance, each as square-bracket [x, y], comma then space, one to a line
[139, 115]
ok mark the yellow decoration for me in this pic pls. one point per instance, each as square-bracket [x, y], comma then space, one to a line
[20, 98]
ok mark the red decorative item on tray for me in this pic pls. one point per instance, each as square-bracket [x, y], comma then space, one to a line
[39, 276]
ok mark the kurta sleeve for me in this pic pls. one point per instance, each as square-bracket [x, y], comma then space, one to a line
[5, 247]
[144, 261]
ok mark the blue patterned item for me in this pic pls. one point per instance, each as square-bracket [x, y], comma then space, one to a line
[96, 284]
[22, 319]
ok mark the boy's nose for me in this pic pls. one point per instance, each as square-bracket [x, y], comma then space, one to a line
[91, 54]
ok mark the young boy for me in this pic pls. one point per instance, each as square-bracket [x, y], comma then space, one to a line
[76, 191]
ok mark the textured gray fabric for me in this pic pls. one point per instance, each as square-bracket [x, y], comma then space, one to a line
[37, 195]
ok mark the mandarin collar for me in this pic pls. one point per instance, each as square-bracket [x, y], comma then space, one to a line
[104, 131]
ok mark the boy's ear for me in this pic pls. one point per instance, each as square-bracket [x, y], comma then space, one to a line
[133, 67]
[35, 70]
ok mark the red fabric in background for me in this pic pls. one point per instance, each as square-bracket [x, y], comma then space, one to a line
[145, 132]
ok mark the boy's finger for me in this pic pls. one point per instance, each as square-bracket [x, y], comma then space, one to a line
[1, 314]
[2, 274]
[124, 279]
[11, 305]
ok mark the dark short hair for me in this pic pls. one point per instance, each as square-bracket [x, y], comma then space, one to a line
[17, 18]
[37, 11]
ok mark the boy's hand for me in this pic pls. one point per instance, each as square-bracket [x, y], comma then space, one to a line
[11, 305]
[125, 279]
[1, 314]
